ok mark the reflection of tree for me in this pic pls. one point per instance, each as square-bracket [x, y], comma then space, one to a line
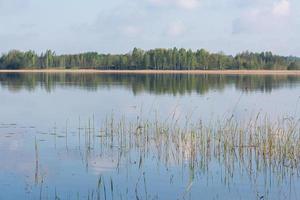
[153, 83]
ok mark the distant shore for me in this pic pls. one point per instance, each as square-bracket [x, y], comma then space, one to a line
[229, 72]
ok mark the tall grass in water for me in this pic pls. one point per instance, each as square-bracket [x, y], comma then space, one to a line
[257, 146]
[267, 142]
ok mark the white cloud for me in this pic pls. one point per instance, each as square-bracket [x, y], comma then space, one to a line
[184, 4]
[110, 28]
[188, 4]
[176, 29]
[263, 18]
[131, 31]
[281, 8]
[101, 164]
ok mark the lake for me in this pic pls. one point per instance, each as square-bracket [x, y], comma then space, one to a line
[147, 136]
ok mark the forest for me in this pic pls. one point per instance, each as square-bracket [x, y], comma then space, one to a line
[155, 59]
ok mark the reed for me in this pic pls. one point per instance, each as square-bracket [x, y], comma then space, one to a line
[258, 147]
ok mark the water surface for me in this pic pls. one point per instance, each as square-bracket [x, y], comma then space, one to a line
[52, 143]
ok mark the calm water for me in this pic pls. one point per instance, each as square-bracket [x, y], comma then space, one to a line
[52, 146]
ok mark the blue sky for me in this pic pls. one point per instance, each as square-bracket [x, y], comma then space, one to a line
[116, 26]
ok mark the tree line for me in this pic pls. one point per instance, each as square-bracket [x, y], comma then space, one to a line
[158, 59]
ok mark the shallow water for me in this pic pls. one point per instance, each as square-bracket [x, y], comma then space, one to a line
[53, 145]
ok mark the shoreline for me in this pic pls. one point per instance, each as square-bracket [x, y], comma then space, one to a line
[225, 72]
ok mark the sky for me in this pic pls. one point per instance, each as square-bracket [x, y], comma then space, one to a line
[117, 26]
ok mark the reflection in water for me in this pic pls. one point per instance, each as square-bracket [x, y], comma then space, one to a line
[141, 144]
[154, 160]
[153, 83]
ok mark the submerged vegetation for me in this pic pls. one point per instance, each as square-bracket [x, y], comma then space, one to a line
[259, 152]
[158, 59]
